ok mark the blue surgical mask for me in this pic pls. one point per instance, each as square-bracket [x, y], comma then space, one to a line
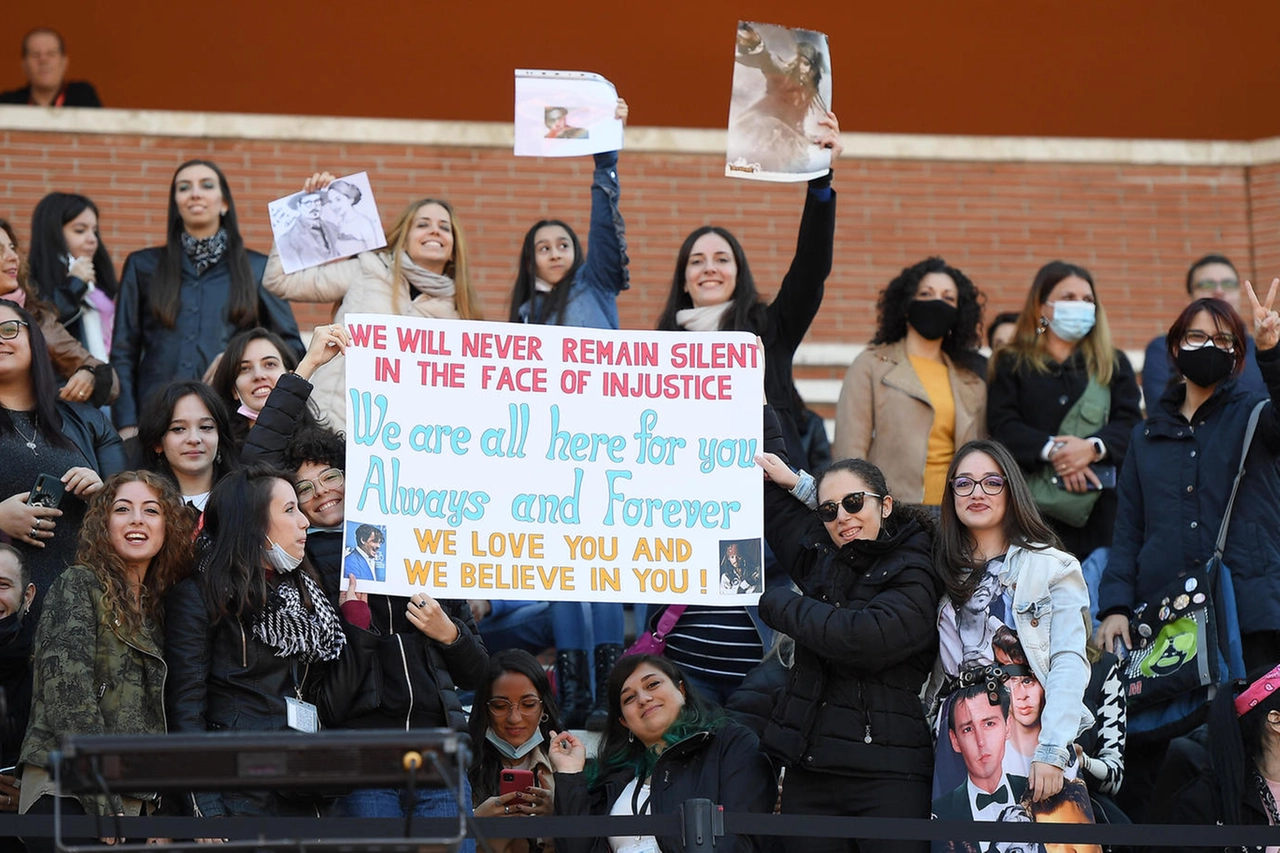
[280, 559]
[514, 753]
[1073, 320]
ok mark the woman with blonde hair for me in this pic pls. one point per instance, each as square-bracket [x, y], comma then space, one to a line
[421, 273]
[1064, 401]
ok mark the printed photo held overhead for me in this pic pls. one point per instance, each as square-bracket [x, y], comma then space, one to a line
[565, 114]
[338, 221]
[781, 89]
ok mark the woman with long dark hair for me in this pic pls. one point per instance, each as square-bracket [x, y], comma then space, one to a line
[662, 745]
[557, 284]
[919, 391]
[514, 714]
[185, 433]
[102, 625]
[73, 270]
[1063, 399]
[180, 303]
[251, 638]
[84, 378]
[254, 360]
[40, 434]
[1005, 573]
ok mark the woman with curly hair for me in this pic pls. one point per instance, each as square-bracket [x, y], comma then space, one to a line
[99, 659]
[917, 393]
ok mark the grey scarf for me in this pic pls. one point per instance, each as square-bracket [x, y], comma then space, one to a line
[704, 319]
[425, 281]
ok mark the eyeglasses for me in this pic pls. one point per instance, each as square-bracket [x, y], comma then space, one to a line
[528, 706]
[1209, 285]
[964, 486]
[1196, 339]
[851, 502]
[330, 478]
[9, 329]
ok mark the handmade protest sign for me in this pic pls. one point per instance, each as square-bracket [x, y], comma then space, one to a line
[781, 87]
[565, 114]
[486, 460]
[336, 222]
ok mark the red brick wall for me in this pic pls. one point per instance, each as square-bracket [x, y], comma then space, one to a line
[1135, 227]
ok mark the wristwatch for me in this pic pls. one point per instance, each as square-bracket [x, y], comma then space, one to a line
[1099, 449]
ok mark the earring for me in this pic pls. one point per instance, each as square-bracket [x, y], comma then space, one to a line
[1042, 326]
[545, 717]
[631, 737]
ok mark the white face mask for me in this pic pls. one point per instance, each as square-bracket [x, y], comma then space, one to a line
[280, 559]
[514, 753]
[1073, 320]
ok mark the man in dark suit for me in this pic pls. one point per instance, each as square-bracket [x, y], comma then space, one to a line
[979, 731]
[44, 61]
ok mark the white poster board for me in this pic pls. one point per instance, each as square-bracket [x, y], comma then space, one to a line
[565, 114]
[549, 463]
[781, 87]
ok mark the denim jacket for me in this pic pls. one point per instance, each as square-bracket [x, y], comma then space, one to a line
[1051, 616]
[593, 298]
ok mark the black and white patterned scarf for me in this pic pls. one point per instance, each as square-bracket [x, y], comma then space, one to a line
[204, 252]
[293, 631]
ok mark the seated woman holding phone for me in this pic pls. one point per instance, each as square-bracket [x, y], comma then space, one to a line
[512, 774]
[56, 453]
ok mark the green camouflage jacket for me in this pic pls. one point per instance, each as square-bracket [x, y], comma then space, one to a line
[89, 678]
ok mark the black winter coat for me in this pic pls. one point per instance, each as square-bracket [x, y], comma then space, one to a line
[1173, 493]
[725, 766]
[147, 355]
[865, 627]
[1025, 408]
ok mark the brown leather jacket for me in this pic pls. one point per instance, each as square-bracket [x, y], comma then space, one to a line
[69, 355]
[884, 415]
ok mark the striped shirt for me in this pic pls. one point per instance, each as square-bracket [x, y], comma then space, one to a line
[718, 641]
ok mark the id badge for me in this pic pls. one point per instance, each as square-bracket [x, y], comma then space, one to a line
[301, 715]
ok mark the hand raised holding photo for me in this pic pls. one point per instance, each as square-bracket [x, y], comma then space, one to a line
[621, 112]
[318, 181]
[1266, 321]
[829, 135]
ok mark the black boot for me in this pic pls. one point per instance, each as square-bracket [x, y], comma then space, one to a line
[607, 656]
[574, 683]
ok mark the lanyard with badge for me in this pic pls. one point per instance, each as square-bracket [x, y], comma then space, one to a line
[300, 714]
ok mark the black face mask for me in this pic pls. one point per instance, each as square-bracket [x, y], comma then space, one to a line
[1206, 366]
[932, 318]
[10, 627]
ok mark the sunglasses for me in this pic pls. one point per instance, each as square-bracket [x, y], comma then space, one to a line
[851, 502]
[964, 486]
[9, 329]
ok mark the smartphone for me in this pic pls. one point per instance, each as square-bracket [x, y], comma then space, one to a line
[1106, 475]
[47, 491]
[514, 780]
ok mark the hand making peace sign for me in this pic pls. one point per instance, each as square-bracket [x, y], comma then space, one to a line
[1266, 322]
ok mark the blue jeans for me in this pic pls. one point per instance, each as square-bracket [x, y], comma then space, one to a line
[386, 802]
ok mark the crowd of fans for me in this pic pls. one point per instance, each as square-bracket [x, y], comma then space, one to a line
[943, 603]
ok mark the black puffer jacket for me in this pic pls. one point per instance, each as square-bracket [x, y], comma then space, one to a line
[724, 765]
[866, 639]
